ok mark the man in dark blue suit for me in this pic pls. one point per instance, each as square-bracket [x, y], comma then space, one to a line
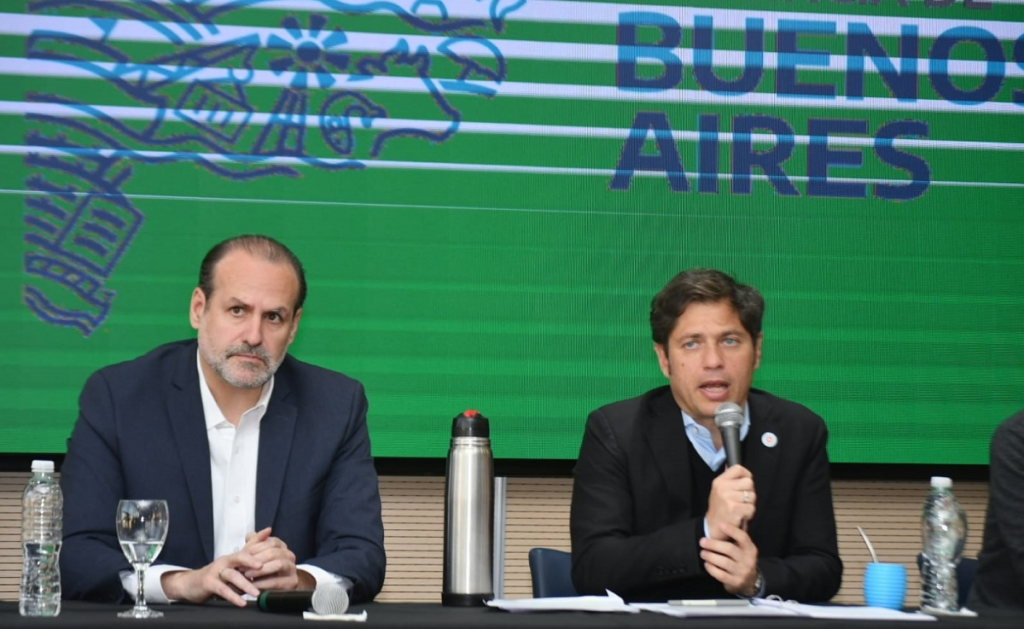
[264, 460]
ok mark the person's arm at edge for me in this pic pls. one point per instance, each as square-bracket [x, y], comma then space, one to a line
[1006, 491]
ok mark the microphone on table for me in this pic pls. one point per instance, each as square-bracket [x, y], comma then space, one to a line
[326, 599]
[729, 419]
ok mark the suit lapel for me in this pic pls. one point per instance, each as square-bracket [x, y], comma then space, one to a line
[188, 424]
[277, 429]
[762, 461]
[666, 437]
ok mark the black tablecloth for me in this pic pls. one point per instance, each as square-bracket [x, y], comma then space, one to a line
[429, 616]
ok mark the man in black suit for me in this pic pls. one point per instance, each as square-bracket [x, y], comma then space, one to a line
[999, 581]
[264, 460]
[654, 516]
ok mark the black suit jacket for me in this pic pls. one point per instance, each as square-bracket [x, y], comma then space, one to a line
[141, 433]
[634, 527]
[999, 581]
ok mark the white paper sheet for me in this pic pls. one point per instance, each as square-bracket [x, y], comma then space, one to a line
[759, 607]
[702, 612]
[842, 612]
[610, 603]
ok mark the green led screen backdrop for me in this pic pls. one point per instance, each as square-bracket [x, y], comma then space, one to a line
[487, 193]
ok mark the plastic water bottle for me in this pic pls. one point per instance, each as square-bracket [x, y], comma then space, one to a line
[42, 506]
[469, 514]
[943, 532]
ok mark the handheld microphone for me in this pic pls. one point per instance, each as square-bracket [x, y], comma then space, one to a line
[729, 418]
[327, 599]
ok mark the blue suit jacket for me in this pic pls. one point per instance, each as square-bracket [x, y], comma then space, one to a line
[141, 433]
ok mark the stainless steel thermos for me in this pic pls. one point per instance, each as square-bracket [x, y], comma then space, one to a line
[469, 514]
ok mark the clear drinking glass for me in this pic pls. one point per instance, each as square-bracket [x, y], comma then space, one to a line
[141, 531]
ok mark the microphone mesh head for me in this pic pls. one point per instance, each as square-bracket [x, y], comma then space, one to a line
[728, 415]
[330, 599]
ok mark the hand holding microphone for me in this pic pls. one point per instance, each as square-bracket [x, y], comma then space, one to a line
[729, 419]
[730, 556]
[732, 500]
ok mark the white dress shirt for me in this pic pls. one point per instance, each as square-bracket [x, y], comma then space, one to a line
[234, 457]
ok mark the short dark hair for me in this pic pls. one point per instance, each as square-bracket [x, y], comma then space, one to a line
[704, 286]
[263, 247]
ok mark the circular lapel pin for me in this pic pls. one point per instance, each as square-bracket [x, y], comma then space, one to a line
[769, 440]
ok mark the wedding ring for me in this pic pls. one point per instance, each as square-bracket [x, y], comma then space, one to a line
[746, 496]
[220, 575]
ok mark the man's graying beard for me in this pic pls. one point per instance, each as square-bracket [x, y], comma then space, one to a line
[245, 375]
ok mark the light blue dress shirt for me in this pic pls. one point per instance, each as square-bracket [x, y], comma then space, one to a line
[702, 442]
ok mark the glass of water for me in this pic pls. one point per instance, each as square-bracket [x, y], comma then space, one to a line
[141, 531]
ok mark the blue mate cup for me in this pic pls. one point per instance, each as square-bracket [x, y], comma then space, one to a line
[885, 585]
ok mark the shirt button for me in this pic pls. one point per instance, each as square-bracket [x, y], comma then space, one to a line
[238, 499]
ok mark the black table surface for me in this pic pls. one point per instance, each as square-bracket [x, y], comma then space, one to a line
[425, 615]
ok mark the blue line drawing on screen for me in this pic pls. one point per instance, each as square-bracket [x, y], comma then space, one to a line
[79, 223]
[307, 54]
[312, 51]
[76, 233]
[430, 16]
[338, 115]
